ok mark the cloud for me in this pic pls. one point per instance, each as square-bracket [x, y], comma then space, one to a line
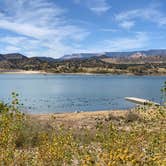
[40, 28]
[38, 24]
[108, 30]
[152, 13]
[26, 29]
[8, 49]
[21, 44]
[127, 24]
[96, 6]
[139, 40]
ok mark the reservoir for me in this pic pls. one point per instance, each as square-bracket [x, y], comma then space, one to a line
[55, 93]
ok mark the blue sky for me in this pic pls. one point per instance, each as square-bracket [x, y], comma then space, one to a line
[58, 27]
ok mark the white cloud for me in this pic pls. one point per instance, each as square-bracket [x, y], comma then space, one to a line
[127, 24]
[25, 29]
[96, 6]
[12, 49]
[151, 13]
[20, 44]
[12, 40]
[38, 23]
[40, 28]
[139, 41]
[108, 30]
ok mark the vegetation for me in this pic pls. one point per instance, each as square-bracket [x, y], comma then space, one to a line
[126, 65]
[138, 138]
[163, 93]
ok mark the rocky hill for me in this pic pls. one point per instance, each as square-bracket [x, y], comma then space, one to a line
[135, 63]
[154, 52]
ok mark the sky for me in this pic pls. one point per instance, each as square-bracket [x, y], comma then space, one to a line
[54, 28]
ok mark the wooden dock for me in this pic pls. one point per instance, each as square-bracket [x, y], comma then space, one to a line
[141, 101]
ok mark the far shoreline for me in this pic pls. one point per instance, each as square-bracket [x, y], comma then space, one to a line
[81, 73]
[23, 72]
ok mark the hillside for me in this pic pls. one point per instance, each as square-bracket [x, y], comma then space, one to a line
[154, 52]
[135, 63]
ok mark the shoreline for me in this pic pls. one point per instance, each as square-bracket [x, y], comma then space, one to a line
[45, 73]
[23, 72]
[74, 116]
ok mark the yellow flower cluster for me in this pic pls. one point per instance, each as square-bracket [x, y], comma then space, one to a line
[25, 143]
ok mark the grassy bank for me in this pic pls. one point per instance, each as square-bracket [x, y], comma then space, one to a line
[116, 138]
[91, 71]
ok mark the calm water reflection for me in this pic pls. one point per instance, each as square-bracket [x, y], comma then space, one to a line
[66, 93]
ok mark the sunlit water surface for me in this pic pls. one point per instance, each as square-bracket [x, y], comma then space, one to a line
[68, 93]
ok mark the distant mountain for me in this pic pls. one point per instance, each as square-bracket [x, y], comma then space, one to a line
[155, 52]
[47, 59]
[10, 61]
[81, 56]
[12, 56]
[1, 57]
[122, 55]
[137, 55]
[137, 62]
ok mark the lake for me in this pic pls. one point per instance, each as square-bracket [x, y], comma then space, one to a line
[67, 93]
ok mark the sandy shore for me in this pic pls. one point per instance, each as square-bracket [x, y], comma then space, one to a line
[22, 72]
[79, 120]
[80, 115]
[43, 72]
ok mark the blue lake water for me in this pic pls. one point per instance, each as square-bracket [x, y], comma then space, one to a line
[67, 93]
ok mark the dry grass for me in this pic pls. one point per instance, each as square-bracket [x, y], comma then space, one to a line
[104, 138]
[79, 120]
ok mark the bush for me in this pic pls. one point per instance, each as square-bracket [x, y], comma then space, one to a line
[25, 141]
[132, 116]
